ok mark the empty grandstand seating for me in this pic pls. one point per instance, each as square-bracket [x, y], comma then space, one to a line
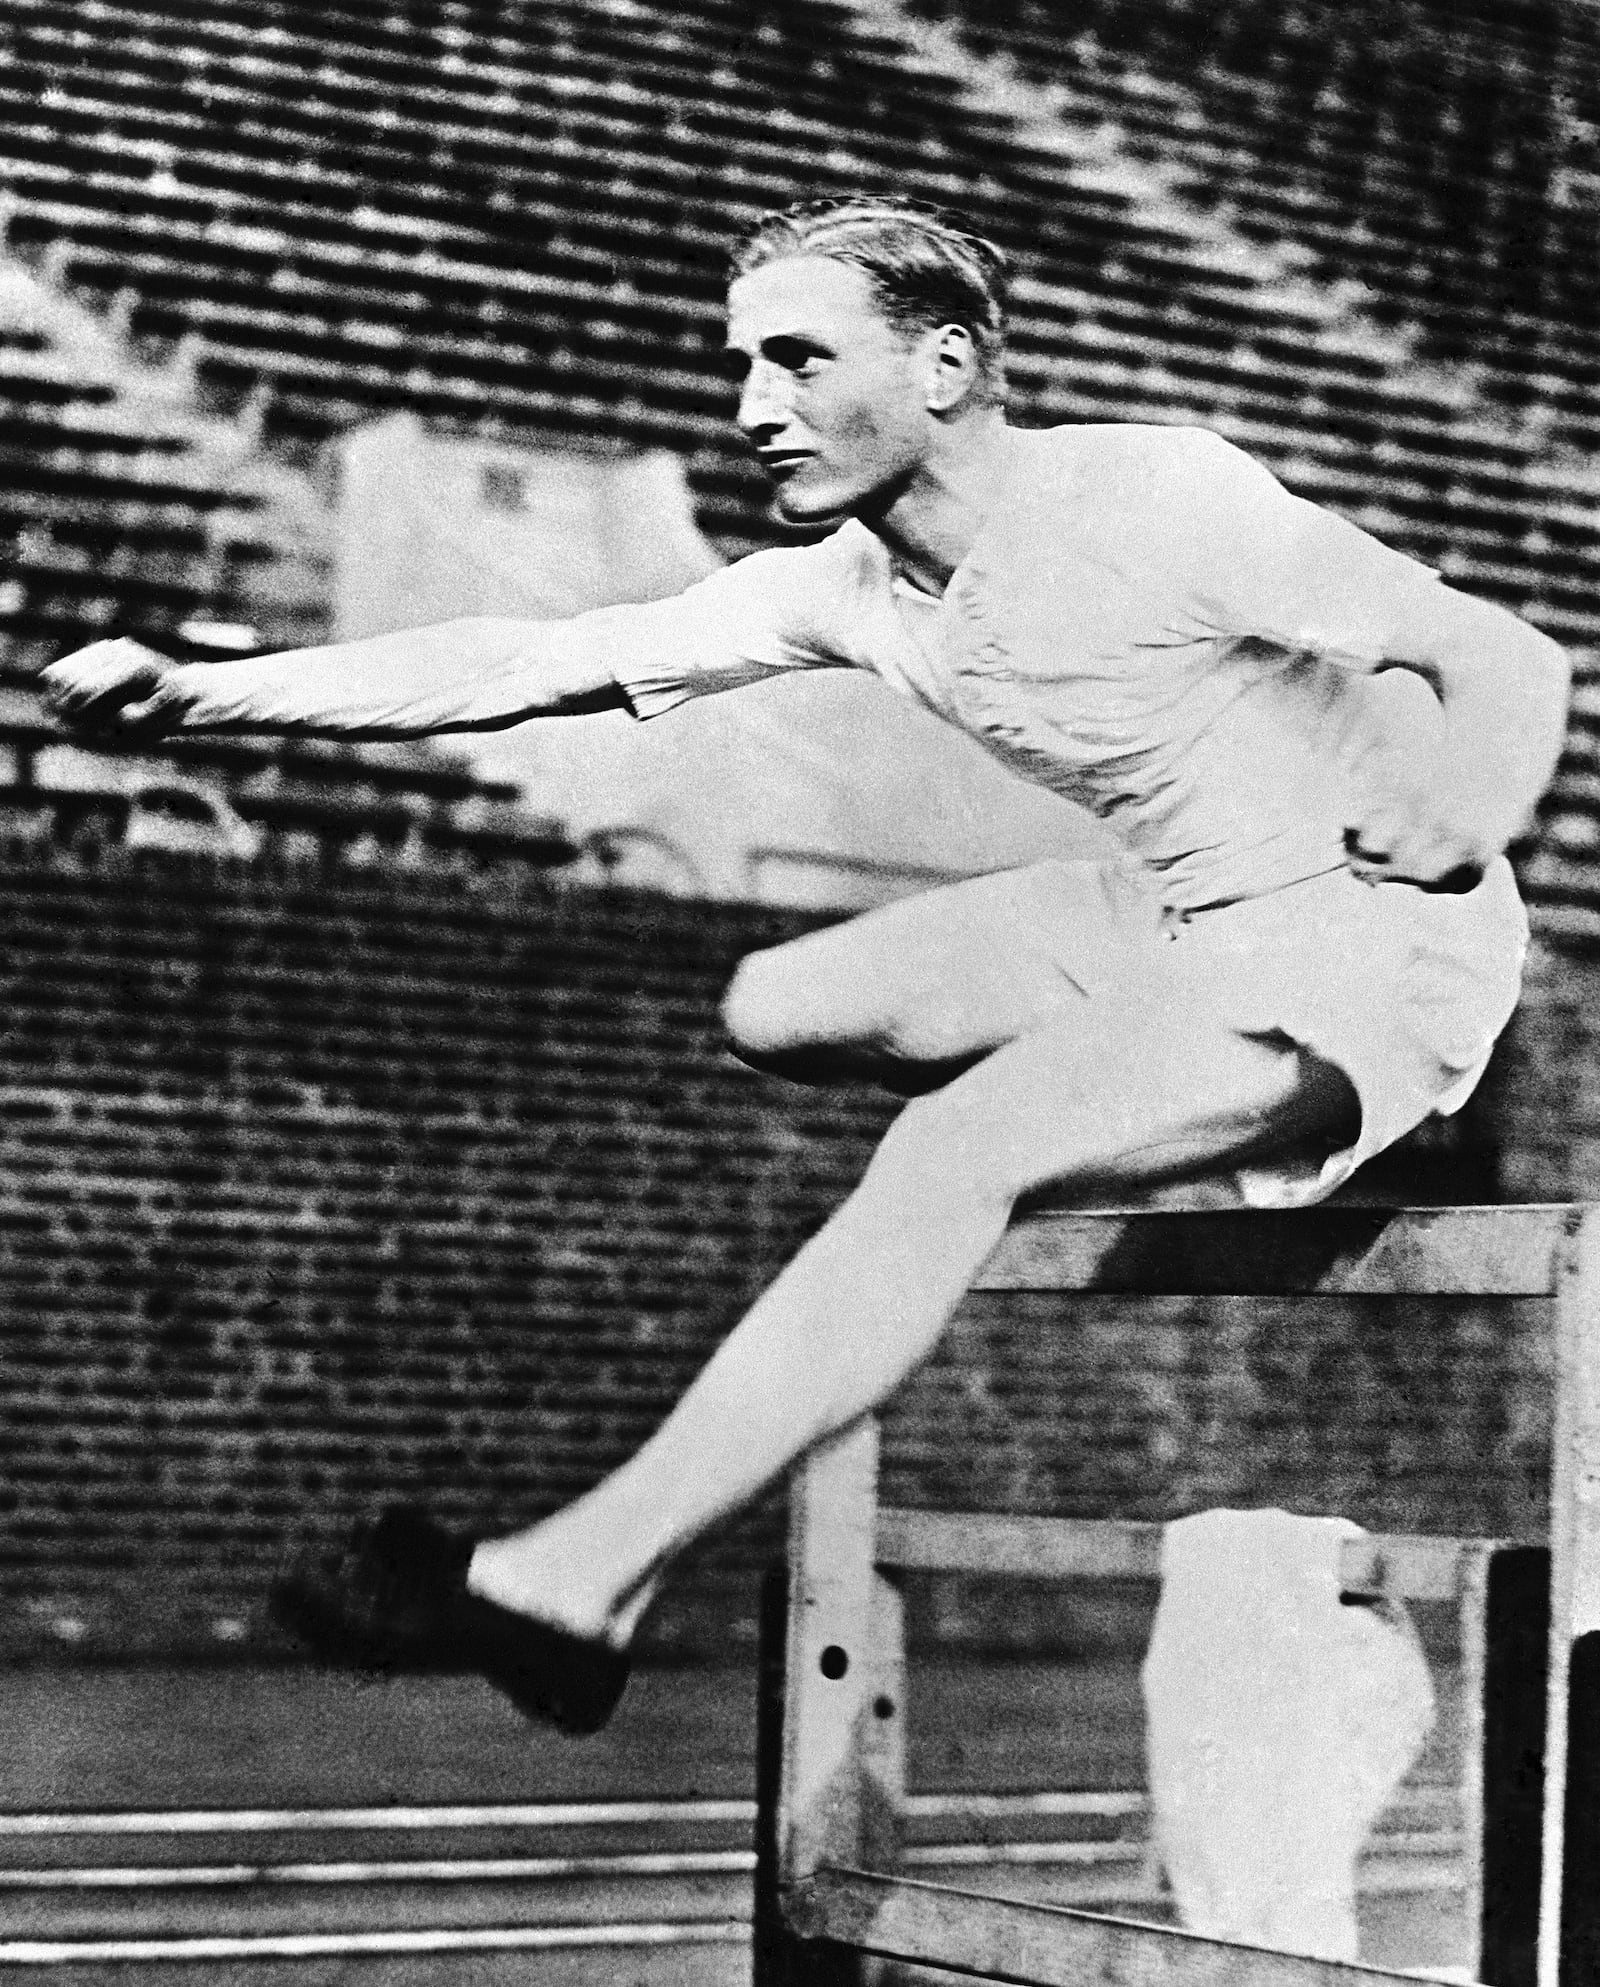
[1440, 156]
[516, 212]
[127, 508]
[1366, 262]
[101, 523]
[293, 802]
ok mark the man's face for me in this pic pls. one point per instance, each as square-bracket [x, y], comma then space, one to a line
[833, 398]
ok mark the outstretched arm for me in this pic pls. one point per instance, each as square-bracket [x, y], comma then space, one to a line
[774, 611]
[470, 675]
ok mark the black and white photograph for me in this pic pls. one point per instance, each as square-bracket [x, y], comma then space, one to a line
[799, 871]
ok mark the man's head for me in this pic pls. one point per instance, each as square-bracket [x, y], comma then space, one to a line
[862, 329]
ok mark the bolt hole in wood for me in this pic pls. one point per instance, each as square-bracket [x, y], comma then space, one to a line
[834, 1662]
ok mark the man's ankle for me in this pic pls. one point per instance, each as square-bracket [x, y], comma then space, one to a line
[507, 1573]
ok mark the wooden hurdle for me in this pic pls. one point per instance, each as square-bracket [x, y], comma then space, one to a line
[829, 1893]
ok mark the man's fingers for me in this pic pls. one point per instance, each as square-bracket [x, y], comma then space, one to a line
[92, 700]
[1458, 881]
[1385, 851]
[1367, 850]
[103, 682]
[150, 714]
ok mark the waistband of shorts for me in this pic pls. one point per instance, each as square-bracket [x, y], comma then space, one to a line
[1339, 883]
[1175, 916]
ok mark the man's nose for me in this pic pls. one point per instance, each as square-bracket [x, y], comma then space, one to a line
[763, 407]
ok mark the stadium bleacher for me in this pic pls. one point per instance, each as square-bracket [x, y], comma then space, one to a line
[1371, 261]
[518, 213]
[1427, 151]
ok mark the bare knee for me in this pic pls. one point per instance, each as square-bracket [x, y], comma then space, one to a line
[776, 1023]
[760, 1012]
[788, 1001]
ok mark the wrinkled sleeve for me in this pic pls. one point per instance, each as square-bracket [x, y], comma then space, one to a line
[1257, 560]
[765, 614]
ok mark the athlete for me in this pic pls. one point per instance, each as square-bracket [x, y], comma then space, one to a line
[1312, 752]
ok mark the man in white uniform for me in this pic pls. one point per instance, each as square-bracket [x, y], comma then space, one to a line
[1312, 751]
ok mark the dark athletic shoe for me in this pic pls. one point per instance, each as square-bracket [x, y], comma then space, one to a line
[395, 1598]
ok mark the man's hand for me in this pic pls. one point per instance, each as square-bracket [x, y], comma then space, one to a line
[117, 686]
[1398, 844]
[1406, 820]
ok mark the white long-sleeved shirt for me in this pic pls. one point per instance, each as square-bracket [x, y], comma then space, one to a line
[1148, 624]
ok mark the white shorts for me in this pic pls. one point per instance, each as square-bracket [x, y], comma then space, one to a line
[1403, 990]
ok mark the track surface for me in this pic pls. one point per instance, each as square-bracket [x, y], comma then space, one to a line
[292, 1803]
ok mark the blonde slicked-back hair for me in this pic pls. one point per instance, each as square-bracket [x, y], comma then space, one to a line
[924, 270]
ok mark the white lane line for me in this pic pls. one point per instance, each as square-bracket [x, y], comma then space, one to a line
[261, 1821]
[310, 1945]
[576, 1814]
[463, 1869]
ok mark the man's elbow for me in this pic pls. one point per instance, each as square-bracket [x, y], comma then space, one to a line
[1556, 667]
[1488, 642]
[1544, 683]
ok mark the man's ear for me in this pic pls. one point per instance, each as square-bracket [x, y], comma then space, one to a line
[953, 368]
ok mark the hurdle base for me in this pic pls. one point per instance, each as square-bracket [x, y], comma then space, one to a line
[1040, 1945]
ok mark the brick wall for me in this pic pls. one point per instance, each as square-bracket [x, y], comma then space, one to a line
[319, 1191]
[1545, 1099]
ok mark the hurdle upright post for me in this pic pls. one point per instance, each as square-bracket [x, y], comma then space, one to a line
[1569, 1904]
[827, 1655]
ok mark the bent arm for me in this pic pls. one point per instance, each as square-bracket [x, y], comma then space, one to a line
[1502, 688]
[1437, 801]
[471, 675]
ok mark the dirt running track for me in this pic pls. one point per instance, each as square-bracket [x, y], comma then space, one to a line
[307, 1791]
